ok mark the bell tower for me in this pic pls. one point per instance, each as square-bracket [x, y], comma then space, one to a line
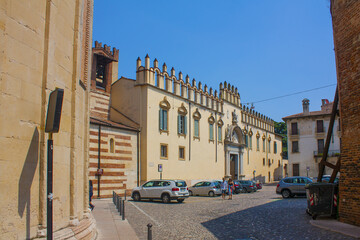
[104, 67]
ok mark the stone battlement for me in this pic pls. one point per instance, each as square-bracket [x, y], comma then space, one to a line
[191, 90]
[114, 53]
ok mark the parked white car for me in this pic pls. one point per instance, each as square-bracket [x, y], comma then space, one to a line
[166, 190]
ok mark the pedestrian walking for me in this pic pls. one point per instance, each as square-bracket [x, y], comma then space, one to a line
[223, 186]
[91, 193]
[231, 188]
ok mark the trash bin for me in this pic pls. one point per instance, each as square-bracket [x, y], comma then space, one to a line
[321, 199]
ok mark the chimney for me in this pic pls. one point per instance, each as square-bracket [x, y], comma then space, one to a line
[324, 102]
[306, 103]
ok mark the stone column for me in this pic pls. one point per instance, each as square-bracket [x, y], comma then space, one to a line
[241, 160]
[227, 162]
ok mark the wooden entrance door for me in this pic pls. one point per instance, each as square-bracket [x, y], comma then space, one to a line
[232, 168]
[296, 169]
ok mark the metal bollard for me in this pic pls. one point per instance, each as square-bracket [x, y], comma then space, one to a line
[149, 231]
[123, 209]
[119, 203]
[125, 194]
[120, 207]
[113, 197]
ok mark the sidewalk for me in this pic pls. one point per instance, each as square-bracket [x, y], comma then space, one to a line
[108, 222]
[336, 226]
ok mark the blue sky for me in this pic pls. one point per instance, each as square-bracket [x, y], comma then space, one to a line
[264, 48]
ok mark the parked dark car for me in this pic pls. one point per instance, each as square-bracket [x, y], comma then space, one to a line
[238, 187]
[259, 186]
[255, 188]
[291, 186]
[247, 186]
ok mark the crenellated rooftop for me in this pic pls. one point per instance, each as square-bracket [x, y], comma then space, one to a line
[106, 51]
[192, 90]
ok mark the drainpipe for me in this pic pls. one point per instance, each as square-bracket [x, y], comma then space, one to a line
[138, 159]
[99, 144]
[248, 147]
[216, 137]
[267, 149]
[189, 131]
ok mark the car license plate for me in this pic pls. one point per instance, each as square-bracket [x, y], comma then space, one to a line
[182, 189]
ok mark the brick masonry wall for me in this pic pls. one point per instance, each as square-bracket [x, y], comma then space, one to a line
[119, 166]
[99, 104]
[346, 25]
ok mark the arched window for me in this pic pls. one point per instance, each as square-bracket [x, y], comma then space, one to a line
[112, 145]
[211, 121]
[275, 147]
[163, 115]
[197, 117]
[263, 138]
[220, 123]
[182, 120]
[250, 138]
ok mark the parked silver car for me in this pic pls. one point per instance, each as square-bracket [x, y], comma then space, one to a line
[166, 190]
[290, 186]
[208, 188]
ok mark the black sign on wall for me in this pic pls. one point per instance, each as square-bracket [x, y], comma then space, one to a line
[54, 111]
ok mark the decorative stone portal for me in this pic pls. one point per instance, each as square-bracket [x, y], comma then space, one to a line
[234, 146]
[233, 162]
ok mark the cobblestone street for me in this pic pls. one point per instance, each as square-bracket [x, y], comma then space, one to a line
[260, 215]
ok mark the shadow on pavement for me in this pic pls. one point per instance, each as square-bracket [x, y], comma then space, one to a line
[283, 219]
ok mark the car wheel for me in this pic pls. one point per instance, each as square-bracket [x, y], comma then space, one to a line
[136, 196]
[211, 194]
[286, 193]
[190, 193]
[244, 190]
[165, 198]
[180, 200]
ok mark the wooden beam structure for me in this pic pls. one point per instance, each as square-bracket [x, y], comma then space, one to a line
[323, 161]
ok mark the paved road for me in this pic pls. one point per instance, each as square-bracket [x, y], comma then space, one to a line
[260, 215]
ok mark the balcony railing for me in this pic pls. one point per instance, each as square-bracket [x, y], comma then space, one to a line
[332, 153]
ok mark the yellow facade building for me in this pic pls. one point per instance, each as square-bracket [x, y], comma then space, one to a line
[192, 132]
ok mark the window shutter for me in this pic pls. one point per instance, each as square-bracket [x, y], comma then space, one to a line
[179, 128]
[165, 116]
[219, 134]
[196, 123]
[275, 147]
[185, 125]
[160, 120]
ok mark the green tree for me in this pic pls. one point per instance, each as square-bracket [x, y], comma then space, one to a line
[280, 128]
